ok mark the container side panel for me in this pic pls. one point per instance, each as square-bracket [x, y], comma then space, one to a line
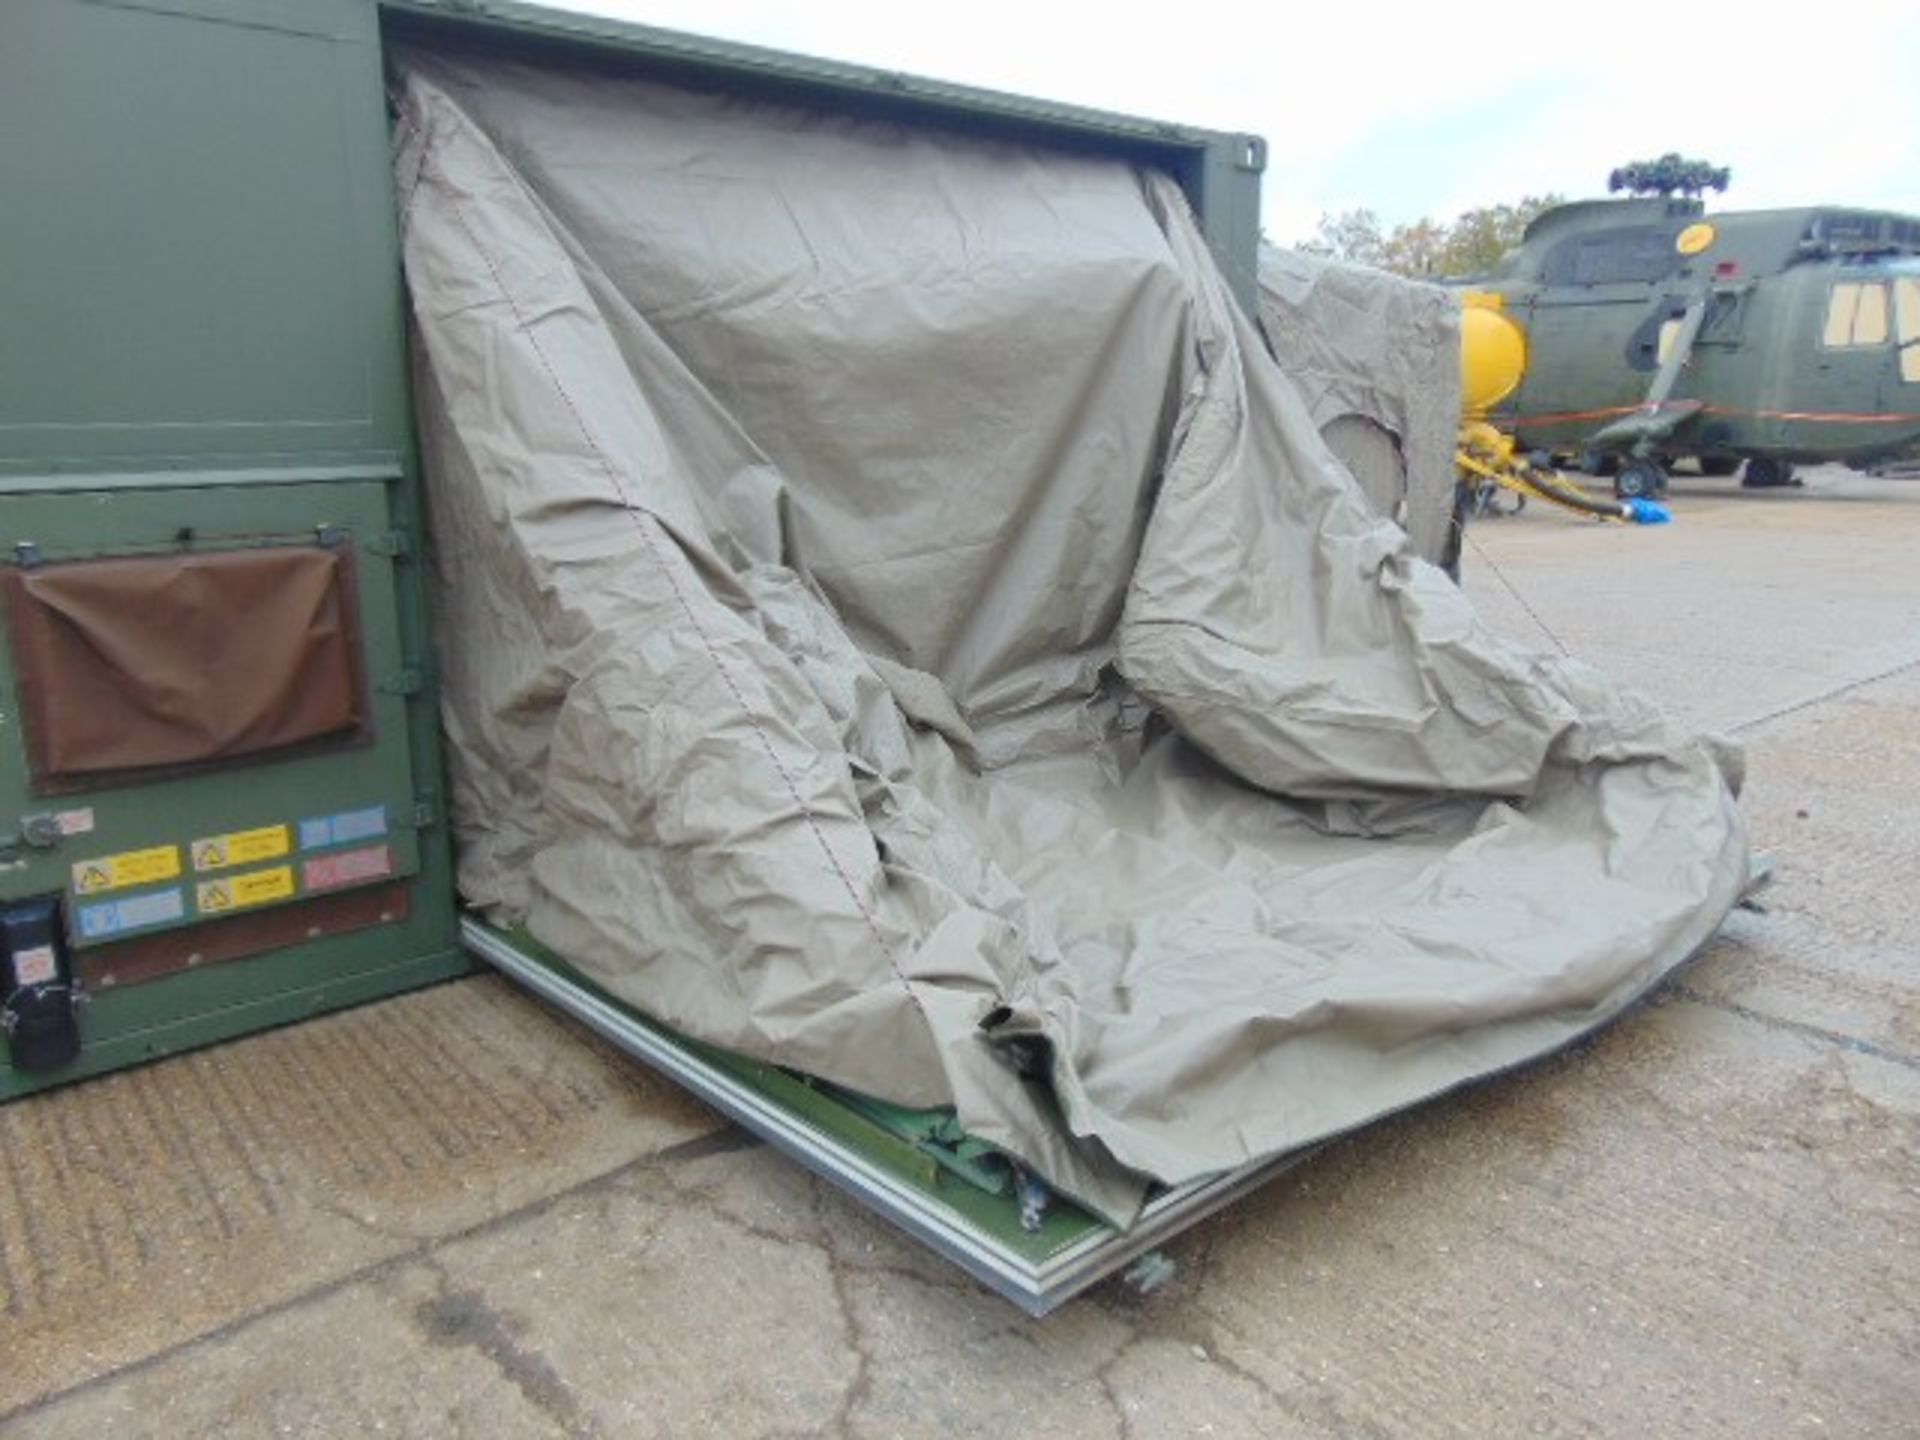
[193, 256]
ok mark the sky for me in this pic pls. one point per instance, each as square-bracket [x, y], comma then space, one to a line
[1425, 111]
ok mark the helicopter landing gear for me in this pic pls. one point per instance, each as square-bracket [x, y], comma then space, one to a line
[1765, 474]
[1718, 467]
[1640, 480]
[1488, 500]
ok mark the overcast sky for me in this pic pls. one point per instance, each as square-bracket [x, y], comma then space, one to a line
[1431, 109]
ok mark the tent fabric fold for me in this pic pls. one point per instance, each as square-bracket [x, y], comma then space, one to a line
[899, 622]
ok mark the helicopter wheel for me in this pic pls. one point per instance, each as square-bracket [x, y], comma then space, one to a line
[1639, 480]
[1765, 474]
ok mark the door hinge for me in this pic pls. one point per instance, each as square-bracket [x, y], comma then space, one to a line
[395, 544]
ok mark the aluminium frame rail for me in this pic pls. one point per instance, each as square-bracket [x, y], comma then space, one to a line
[1037, 1284]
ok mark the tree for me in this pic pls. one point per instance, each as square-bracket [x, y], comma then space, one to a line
[1481, 236]
[1471, 245]
[1669, 173]
[1416, 249]
[1351, 235]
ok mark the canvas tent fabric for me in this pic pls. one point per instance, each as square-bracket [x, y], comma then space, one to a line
[898, 622]
[1376, 359]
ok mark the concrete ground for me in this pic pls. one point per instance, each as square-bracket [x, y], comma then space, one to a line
[453, 1214]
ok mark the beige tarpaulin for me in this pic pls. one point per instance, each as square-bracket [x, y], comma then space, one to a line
[1376, 359]
[897, 621]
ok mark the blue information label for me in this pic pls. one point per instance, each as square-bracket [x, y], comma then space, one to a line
[136, 912]
[347, 828]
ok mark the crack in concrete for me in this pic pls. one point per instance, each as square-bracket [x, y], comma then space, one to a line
[727, 1140]
[816, 1236]
[860, 1386]
[1184, 1320]
[1103, 1377]
[1314, 1407]
[1847, 687]
[823, 1232]
[1180, 1316]
[1801, 1028]
[951, 1278]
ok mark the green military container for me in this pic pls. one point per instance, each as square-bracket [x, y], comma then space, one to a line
[220, 797]
[220, 764]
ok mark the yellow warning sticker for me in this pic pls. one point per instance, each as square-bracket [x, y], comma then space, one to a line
[242, 847]
[129, 867]
[242, 892]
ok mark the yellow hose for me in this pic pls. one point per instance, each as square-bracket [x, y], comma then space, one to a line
[1487, 453]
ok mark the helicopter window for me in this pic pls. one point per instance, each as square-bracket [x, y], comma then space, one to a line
[1906, 306]
[1856, 315]
[1847, 227]
[1842, 304]
[1906, 310]
[1725, 316]
[1870, 321]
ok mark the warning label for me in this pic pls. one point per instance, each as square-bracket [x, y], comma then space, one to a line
[129, 867]
[242, 892]
[349, 867]
[242, 847]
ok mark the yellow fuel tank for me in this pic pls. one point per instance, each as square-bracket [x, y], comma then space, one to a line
[1493, 353]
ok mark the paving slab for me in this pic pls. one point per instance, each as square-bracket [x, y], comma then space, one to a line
[397, 1354]
[148, 1207]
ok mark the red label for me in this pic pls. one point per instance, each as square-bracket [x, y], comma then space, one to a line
[349, 867]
